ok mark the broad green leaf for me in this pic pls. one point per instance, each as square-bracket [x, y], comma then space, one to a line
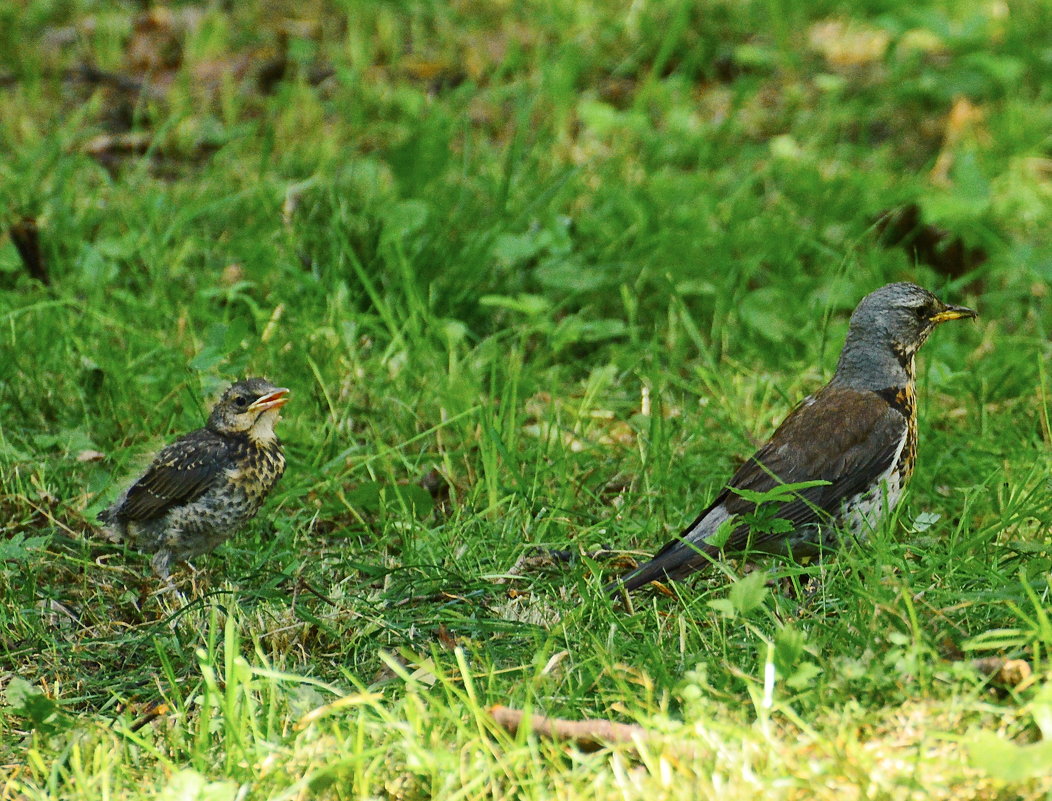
[1007, 761]
[748, 593]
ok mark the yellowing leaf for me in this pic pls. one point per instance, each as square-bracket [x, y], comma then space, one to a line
[848, 44]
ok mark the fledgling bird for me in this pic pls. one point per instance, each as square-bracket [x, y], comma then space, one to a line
[202, 488]
[858, 432]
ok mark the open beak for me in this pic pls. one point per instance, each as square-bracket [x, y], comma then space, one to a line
[272, 400]
[953, 313]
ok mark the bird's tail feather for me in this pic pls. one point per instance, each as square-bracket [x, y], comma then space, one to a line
[674, 561]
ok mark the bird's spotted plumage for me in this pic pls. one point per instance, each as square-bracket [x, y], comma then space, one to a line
[858, 434]
[202, 488]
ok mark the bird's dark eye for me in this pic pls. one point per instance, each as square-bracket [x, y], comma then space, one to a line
[241, 401]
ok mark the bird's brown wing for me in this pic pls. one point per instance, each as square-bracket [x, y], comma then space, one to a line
[179, 474]
[844, 436]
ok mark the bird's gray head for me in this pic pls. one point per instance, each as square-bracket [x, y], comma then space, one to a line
[251, 407]
[886, 330]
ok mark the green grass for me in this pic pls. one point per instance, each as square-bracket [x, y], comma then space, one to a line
[537, 275]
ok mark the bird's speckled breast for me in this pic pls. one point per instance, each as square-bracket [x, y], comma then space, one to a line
[866, 509]
[904, 400]
[907, 399]
[257, 469]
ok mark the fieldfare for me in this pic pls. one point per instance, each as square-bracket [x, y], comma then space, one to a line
[857, 435]
[203, 487]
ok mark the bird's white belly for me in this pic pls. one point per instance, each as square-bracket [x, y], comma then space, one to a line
[867, 509]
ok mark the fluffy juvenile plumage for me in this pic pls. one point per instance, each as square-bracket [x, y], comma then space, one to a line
[203, 487]
[859, 433]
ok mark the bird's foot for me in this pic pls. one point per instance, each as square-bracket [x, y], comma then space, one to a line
[169, 590]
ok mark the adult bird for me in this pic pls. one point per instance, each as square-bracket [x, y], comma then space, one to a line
[203, 487]
[857, 436]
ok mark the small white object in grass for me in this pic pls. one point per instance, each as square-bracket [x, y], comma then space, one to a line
[554, 662]
[925, 520]
[785, 147]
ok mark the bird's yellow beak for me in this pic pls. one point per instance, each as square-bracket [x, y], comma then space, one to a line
[953, 313]
[272, 400]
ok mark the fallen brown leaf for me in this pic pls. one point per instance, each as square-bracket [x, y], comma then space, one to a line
[26, 238]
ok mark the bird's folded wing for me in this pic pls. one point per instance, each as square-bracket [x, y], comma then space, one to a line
[846, 437]
[843, 436]
[180, 474]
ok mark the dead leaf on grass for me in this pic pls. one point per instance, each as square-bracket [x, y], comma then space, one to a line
[26, 237]
[848, 45]
[962, 123]
[904, 227]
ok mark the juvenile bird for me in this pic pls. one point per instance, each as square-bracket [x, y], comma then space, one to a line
[203, 487]
[858, 433]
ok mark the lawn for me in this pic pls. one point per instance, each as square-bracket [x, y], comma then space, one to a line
[539, 276]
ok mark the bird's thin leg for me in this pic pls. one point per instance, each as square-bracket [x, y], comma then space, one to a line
[197, 574]
[168, 588]
[162, 566]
